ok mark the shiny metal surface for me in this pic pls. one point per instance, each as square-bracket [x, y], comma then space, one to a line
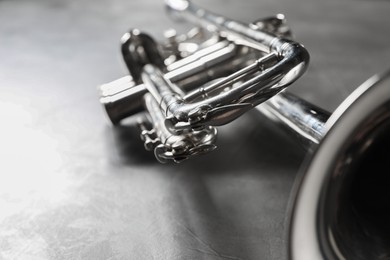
[303, 120]
[167, 146]
[341, 210]
[123, 98]
[284, 62]
[331, 218]
[74, 188]
[279, 62]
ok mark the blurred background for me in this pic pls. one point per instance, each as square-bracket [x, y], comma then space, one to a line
[74, 187]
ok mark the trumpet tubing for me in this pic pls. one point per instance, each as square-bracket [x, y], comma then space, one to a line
[237, 68]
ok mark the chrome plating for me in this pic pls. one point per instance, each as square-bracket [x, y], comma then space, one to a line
[200, 82]
[193, 83]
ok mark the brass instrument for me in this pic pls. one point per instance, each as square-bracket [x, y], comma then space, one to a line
[195, 87]
[193, 83]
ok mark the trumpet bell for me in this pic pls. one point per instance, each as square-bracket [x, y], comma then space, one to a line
[342, 206]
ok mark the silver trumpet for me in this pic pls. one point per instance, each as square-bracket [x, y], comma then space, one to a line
[191, 84]
[198, 86]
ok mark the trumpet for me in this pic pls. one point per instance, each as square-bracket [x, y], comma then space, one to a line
[181, 90]
[189, 89]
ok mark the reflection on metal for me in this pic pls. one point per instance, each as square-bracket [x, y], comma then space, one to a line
[206, 78]
[214, 74]
[341, 208]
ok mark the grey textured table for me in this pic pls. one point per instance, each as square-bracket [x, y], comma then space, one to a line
[72, 187]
